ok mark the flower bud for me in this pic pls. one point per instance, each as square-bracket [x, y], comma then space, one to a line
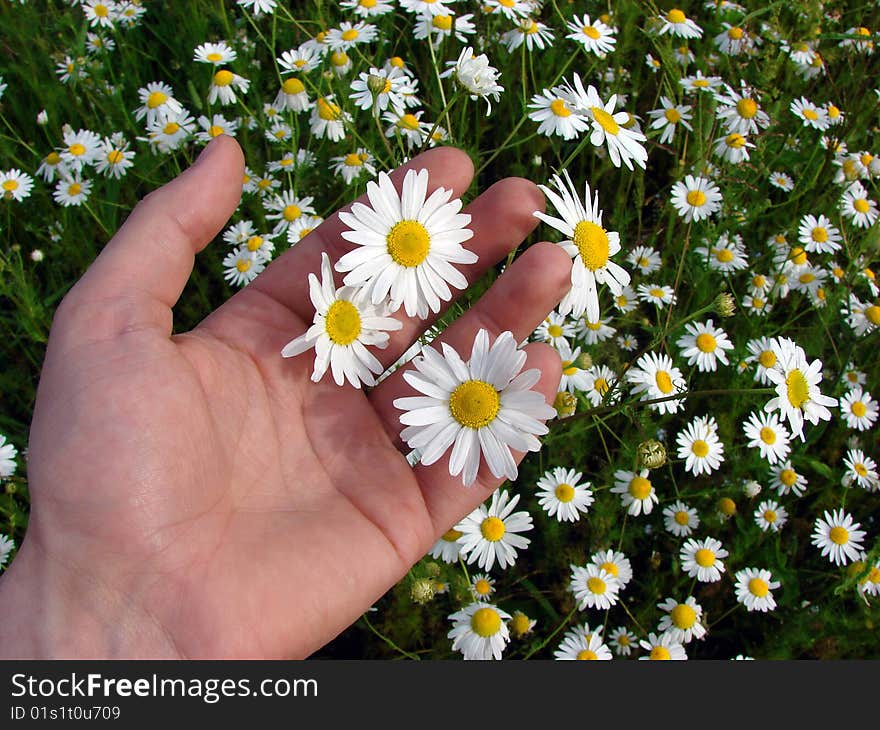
[651, 454]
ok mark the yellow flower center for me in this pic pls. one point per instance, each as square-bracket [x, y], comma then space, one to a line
[74, 189]
[10, 185]
[788, 477]
[590, 32]
[769, 515]
[554, 330]
[873, 314]
[610, 568]
[706, 342]
[452, 535]
[53, 158]
[171, 128]
[861, 205]
[482, 587]
[223, 77]
[408, 243]
[254, 243]
[596, 585]
[565, 492]
[735, 33]
[215, 130]
[798, 389]
[586, 654]
[701, 83]
[442, 22]
[861, 470]
[768, 435]
[559, 108]
[339, 58]
[101, 11]
[76, 149]
[682, 518]
[810, 114]
[474, 403]
[293, 86]
[291, 212]
[696, 198]
[676, 16]
[639, 487]
[349, 35]
[660, 653]
[367, 4]
[214, 57]
[758, 588]
[156, 99]
[806, 277]
[592, 244]
[858, 409]
[353, 160]
[492, 529]
[343, 322]
[757, 303]
[569, 368]
[700, 448]
[683, 616]
[672, 116]
[866, 158]
[798, 256]
[486, 622]
[747, 108]
[408, 121]
[243, 265]
[726, 506]
[819, 234]
[606, 121]
[664, 382]
[737, 141]
[839, 535]
[327, 110]
[705, 558]
[657, 293]
[601, 386]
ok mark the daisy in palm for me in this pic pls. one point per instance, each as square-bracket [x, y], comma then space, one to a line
[797, 387]
[490, 535]
[344, 326]
[407, 244]
[479, 631]
[753, 586]
[484, 405]
[588, 243]
[705, 345]
[562, 495]
[838, 536]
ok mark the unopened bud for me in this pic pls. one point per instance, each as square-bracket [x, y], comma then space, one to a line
[376, 84]
[725, 304]
[422, 591]
[565, 404]
[751, 489]
[584, 361]
[651, 454]
[42, 118]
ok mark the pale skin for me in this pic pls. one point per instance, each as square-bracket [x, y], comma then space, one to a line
[196, 495]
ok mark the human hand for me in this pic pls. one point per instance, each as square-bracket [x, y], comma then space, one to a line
[196, 495]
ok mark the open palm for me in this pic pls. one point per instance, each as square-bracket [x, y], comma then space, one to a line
[197, 495]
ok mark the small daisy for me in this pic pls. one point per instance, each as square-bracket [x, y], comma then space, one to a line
[491, 535]
[598, 382]
[727, 255]
[594, 36]
[555, 116]
[100, 13]
[286, 208]
[482, 587]
[770, 515]
[682, 620]
[354, 165]
[348, 35]
[626, 301]
[740, 111]
[214, 127]
[594, 332]
[258, 7]
[839, 538]
[861, 470]
[818, 235]
[733, 148]
[72, 191]
[680, 520]
[636, 491]
[554, 330]
[292, 95]
[593, 587]
[705, 345]
[15, 185]
[81, 149]
[328, 120]
[623, 641]
[521, 625]
[858, 408]
[241, 267]
[562, 496]
[299, 60]
[589, 245]
[657, 294]
[168, 134]
[810, 114]
[8, 452]
[6, 547]
[645, 258]
[700, 446]
[52, 165]
[655, 376]
[343, 327]
[698, 82]
[781, 180]
[476, 76]
[578, 647]
[115, 157]
[696, 198]
[302, 227]
[753, 586]
[762, 351]
[677, 24]
[855, 205]
[662, 647]
[447, 548]
[218, 54]
[368, 8]
[408, 126]
[766, 432]
[733, 40]
[573, 377]
[479, 631]
[786, 479]
[668, 117]
[615, 563]
[510, 9]
[701, 559]
[529, 32]
[439, 27]
[223, 85]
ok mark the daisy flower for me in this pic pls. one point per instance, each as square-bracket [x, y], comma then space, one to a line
[698, 82]
[343, 327]
[555, 116]
[838, 537]
[328, 120]
[857, 207]
[577, 647]
[168, 134]
[100, 13]
[258, 7]
[484, 405]
[700, 446]
[682, 620]
[72, 191]
[408, 125]
[594, 36]
[727, 255]
[353, 165]
[645, 258]
[292, 95]
[704, 345]
[702, 559]
[554, 330]
[862, 317]
[740, 111]
[8, 452]
[241, 267]
[521, 625]
[695, 198]
[286, 208]
[770, 515]
[476, 76]
[733, 148]
[479, 631]
[528, 31]
[589, 245]
[217, 54]
[510, 9]
[348, 35]
[781, 180]
[861, 470]
[302, 227]
[15, 185]
[593, 587]
[223, 85]
[662, 647]
[810, 114]
[785, 479]
[680, 520]
[406, 244]
[594, 332]
[430, 7]
[668, 117]
[657, 294]
[763, 352]
[797, 387]
[562, 496]
[597, 383]
[6, 547]
[439, 27]
[214, 127]
[677, 24]
[615, 563]
[858, 408]
[817, 235]
[626, 301]
[733, 40]
[766, 432]
[52, 165]
[491, 535]
[753, 586]
[622, 640]
[573, 377]
[655, 376]
[299, 60]
[636, 491]
[482, 587]
[81, 148]
[448, 547]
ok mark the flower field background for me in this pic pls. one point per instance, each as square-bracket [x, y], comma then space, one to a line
[734, 152]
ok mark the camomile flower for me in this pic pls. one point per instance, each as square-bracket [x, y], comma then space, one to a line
[510, 9]
[6, 547]
[589, 245]
[562, 496]
[438, 27]
[733, 40]
[379, 89]
[622, 641]
[781, 180]
[700, 446]
[241, 266]
[555, 116]
[765, 432]
[214, 127]
[115, 158]
[657, 294]
[223, 85]
[52, 165]
[573, 377]
[645, 258]
[100, 13]
[368, 8]
[482, 587]
[258, 7]
[598, 382]
[677, 24]
[682, 620]
[810, 114]
[732, 148]
[704, 345]
[797, 387]
[668, 117]
[684, 55]
[662, 647]
[626, 301]
[300, 60]
[8, 452]
[753, 586]
[594, 36]
[81, 148]
[406, 244]
[345, 324]
[839, 537]
[348, 35]
[785, 479]
[696, 198]
[479, 631]
[727, 255]
[702, 559]
[286, 208]
[855, 205]
[770, 515]
[636, 491]
[817, 235]
[575, 646]
[218, 54]
[521, 625]
[835, 114]
[594, 332]
[72, 191]
[655, 376]
[529, 32]
[448, 547]
[615, 563]
[15, 185]
[554, 330]
[680, 519]
[698, 82]
[353, 165]
[858, 408]
[491, 535]
[157, 102]
[740, 111]
[408, 125]
[484, 405]
[430, 7]
[861, 470]
[862, 317]
[302, 227]
[475, 75]
[167, 134]
[593, 587]
[292, 95]
[762, 351]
